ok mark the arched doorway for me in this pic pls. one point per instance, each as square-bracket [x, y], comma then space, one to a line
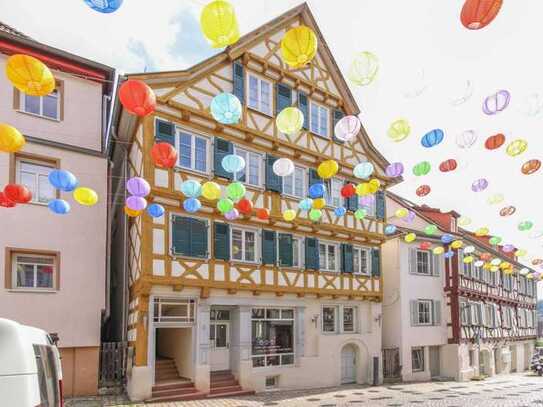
[349, 361]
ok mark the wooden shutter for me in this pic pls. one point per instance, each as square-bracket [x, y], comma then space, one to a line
[285, 250]
[311, 253]
[375, 263]
[336, 117]
[351, 204]
[273, 181]
[460, 255]
[347, 261]
[181, 228]
[164, 132]
[497, 316]
[269, 248]
[198, 238]
[239, 81]
[414, 312]
[380, 211]
[222, 241]
[436, 310]
[437, 264]
[303, 105]
[412, 260]
[221, 148]
[283, 97]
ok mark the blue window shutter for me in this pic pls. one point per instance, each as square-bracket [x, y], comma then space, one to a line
[347, 262]
[375, 263]
[269, 247]
[311, 253]
[273, 181]
[164, 132]
[303, 105]
[285, 250]
[239, 81]
[220, 149]
[198, 238]
[314, 177]
[337, 116]
[181, 229]
[222, 241]
[380, 205]
[283, 97]
[351, 204]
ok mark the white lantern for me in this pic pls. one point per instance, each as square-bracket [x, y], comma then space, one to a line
[466, 139]
[283, 167]
[347, 128]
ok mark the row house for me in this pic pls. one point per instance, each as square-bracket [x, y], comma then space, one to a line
[55, 266]
[227, 307]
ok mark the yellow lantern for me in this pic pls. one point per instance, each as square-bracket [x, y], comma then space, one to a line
[299, 46]
[401, 213]
[131, 213]
[516, 147]
[363, 69]
[494, 269]
[488, 266]
[289, 215]
[374, 185]
[464, 221]
[505, 265]
[410, 237]
[11, 140]
[211, 190]
[85, 196]
[327, 169]
[530, 276]
[484, 231]
[521, 253]
[319, 203]
[457, 244]
[363, 189]
[290, 120]
[468, 259]
[30, 75]
[438, 250]
[219, 24]
[399, 130]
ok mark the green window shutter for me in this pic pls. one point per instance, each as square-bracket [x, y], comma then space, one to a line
[336, 116]
[311, 253]
[269, 247]
[375, 263]
[283, 97]
[273, 181]
[221, 148]
[181, 228]
[351, 204]
[285, 250]
[380, 205]
[303, 105]
[347, 261]
[314, 177]
[198, 238]
[239, 81]
[164, 132]
[222, 241]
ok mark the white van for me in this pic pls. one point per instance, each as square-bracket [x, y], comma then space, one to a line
[30, 370]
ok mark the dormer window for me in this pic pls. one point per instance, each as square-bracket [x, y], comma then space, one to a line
[260, 94]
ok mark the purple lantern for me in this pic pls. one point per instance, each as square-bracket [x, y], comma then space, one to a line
[394, 170]
[367, 200]
[136, 203]
[479, 185]
[497, 102]
[138, 187]
[232, 214]
[508, 248]
[410, 217]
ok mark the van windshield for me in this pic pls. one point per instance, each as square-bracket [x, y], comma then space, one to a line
[47, 375]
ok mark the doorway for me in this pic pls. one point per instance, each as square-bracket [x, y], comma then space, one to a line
[219, 339]
[513, 358]
[348, 364]
[391, 363]
[435, 361]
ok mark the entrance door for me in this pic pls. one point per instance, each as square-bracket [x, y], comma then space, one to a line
[219, 338]
[348, 365]
[391, 363]
[434, 361]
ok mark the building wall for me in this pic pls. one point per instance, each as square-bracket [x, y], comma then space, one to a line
[176, 343]
[392, 301]
[79, 368]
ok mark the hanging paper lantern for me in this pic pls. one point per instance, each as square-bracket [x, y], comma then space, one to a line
[494, 269]
[464, 221]
[211, 190]
[191, 188]
[410, 237]
[11, 140]
[219, 24]
[516, 147]
[315, 214]
[496, 262]
[290, 120]
[448, 165]
[536, 234]
[289, 215]
[226, 108]
[233, 163]
[340, 211]
[224, 205]
[59, 206]
[347, 128]
[494, 142]
[137, 97]
[466, 139]
[531, 166]
[131, 213]
[484, 231]
[317, 190]
[390, 229]
[423, 190]
[479, 185]
[401, 213]
[438, 250]
[432, 138]
[497, 102]
[138, 186]
[524, 271]
[85, 196]
[363, 69]
[363, 170]
[457, 244]
[262, 214]
[508, 248]
[468, 259]
[399, 130]
[164, 155]
[232, 214]
[348, 190]
[305, 204]
[495, 240]
[394, 170]
[536, 262]
[367, 200]
[374, 185]
[319, 203]
[283, 167]
[327, 169]
[525, 225]
[469, 249]
[192, 205]
[447, 238]
[155, 210]
[104, 6]
[30, 75]
[508, 211]
[63, 180]
[245, 206]
[425, 245]
[479, 263]
[363, 189]
[299, 46]
[360, 213]
[495, 199]
[430, 230]
[521, 253]
[5, 202]
[235, 191]
[449, 254]
[136, 203]
[477, 14]
[17, 193]
[410, 217]
[422, 168]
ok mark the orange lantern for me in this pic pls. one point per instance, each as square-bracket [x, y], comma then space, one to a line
[448, 165]
[477, 14]
[494, 142]
[137, 97]
[425, 245]
[529, 167]
[262, 214]
[131, 212]
[508, 211]
[164, 155]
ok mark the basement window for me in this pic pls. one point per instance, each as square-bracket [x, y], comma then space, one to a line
[272, 382]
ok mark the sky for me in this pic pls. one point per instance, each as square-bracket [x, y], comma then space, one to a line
[426, 59]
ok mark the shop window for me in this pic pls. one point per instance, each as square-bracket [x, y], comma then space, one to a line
[272, 337]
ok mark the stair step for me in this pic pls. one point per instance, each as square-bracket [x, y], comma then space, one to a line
[172, 384]
[185, 397]
[231, 394]
[224, 383]
[174, 392]
[225, 389]
[160, 362]
[166, 370]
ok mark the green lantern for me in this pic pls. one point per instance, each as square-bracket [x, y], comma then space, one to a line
[525, 225]
[360, 213]
[235, 191]
[315, 214]
[225, 205]
[430, 230]
[422, 168]
[495, 240]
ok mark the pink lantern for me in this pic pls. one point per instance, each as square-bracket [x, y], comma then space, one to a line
[136, 203]
[508, 248]
[232, 214]
[347, 128]
[138, 187]
[394, 170]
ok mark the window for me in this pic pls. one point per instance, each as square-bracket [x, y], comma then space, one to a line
[338, 319]
[423, 262]
[424, 312]
[417, 359]
[333, 192]
[45, 106]
[219, 315]
[189, 237]
[34, 175]
[490, 315]
[173, 310]
[465, 313]
[348, 319]
[34, 271]
[328, 256]
[318, 119]
[295, 183]
[471, 358]
[297, 252]
[272, 337]
[477, 313]
[193, 151]
[260, 94]
[272, 382]
[329, 319]
[361, 260]
[252, 173]
[243, 245]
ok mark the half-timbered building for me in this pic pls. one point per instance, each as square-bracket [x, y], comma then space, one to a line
[223, 307]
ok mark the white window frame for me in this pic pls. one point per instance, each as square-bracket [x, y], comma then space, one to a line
[328, 244]
[429, 303]
[421, 350]
[357, 250]
[328, 116]
[35, 190]
[22, 106]
[15, 255]
[259, 79]
[333, 191]
[293, 176]
[428, 263]
[266, 356]
[477, 313]
[194, 135]
[301, 252]
[164, 320]
[257, 233]
[342, 319]
[246, 169]
[339, 323]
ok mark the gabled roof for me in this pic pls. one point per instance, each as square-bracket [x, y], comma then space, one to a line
[10, 30]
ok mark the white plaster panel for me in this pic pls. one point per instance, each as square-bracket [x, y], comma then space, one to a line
[269, 277]
[158, 268]
[158, 241]
[177, 270]
[161, 178]
[219, 272]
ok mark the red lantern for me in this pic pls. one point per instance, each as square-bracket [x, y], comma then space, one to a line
[164, 155]
[494, 142]
[448, 165]
[262, 214]
[477, 14]
[5, 202]
[348, 190]
[137, 97]
[245, 206]
[485, 256]
[17, 193]
[529, 167]
[425, 245]
[423, 190]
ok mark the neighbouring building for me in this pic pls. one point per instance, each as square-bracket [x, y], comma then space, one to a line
[247, 305]
[54, 274]
[444, 318]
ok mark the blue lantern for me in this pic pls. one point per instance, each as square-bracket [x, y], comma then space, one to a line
[446, 238]
[192, 205]
[59, 206]
[340, 211]
[155, 210]
[233, 163]
[390, 229]
[226, 108]
[432, 138]
[306, 204]
[63, 180]
[448, 254]
[317, 190]
[363, 170]
[191, 188]
[104, 6]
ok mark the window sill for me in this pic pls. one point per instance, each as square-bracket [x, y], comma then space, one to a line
[321, 136]
[206, 173]
[254, 109]
[245, 263]
[181, 256]
[38, 116]
[33, 291]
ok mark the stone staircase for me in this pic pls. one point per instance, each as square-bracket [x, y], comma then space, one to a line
[224, 384]
[169, 386]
